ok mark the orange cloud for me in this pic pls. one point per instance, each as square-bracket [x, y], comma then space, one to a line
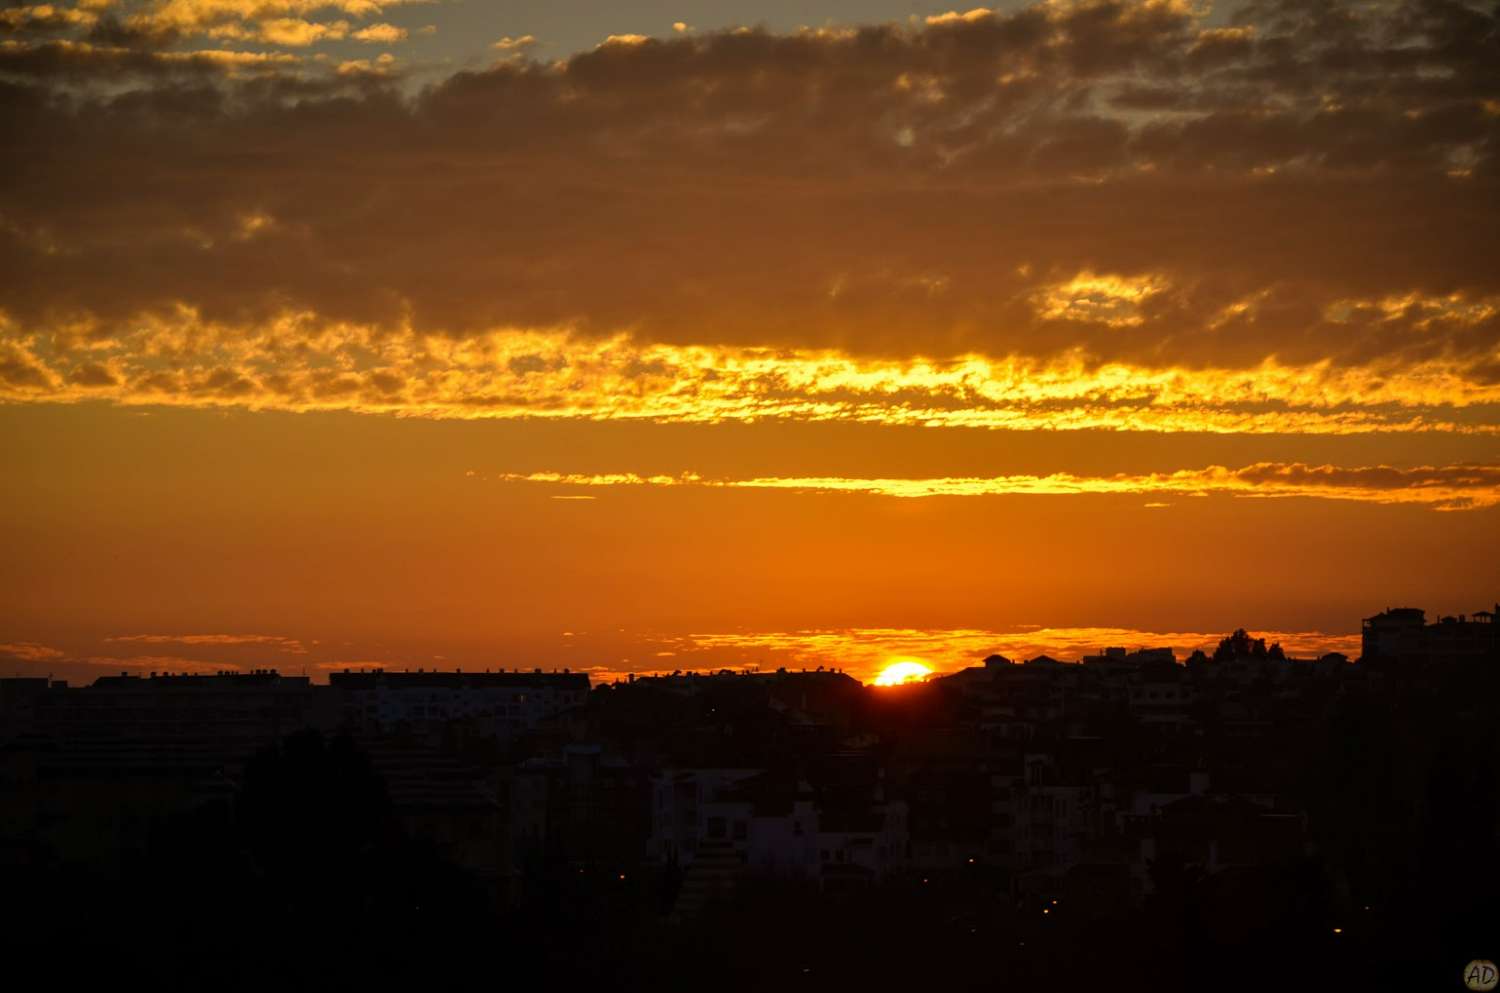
[30, 651]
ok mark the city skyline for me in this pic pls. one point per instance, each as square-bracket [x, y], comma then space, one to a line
[1007, 817]
[877, 657]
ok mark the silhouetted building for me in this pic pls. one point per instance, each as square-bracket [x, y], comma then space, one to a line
[232, 708]
[584, 804]
[722, 825]
[103, 765]
[445, 802]
[19, 699]
[492, 704]
[1401, 636]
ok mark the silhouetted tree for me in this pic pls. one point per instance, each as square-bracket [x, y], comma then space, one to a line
[1240, 646]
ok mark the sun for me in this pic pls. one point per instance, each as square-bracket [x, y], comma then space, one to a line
[903, 671]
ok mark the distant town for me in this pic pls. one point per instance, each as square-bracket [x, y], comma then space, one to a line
[1086, 790]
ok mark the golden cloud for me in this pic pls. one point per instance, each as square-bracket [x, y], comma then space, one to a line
[298, 362]
[384, 34]
[45, 17]
[626, 40]
[192, 15]
[1108, 299]
[294, 31]
[1457, 487]
[954, 17]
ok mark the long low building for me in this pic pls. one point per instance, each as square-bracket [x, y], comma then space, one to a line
[495, 704]
[261, 706]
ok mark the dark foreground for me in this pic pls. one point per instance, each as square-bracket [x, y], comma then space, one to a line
[304, 871]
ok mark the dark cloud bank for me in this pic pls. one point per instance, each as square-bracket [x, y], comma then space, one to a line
[1303, 181]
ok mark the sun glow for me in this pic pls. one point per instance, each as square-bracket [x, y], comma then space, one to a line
[903, 671]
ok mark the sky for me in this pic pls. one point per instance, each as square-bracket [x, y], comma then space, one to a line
[640, 336]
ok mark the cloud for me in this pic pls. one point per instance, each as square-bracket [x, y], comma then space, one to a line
[204, 15]
[383, 34]
[1455, 487]
[1090, 214]
[380, 66]
[30, 651]
[164, 664]
[298, 362]
[44, 18]
[954, 17]
[627, 40]
[1109, 300]
[79, 62]
[27, 651]
[292, 31]
[279, 642]
[96, 42]
[513, 48]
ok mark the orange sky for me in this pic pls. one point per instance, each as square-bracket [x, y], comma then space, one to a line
[1130, 321]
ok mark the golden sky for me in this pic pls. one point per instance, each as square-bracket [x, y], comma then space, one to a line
[351, 333]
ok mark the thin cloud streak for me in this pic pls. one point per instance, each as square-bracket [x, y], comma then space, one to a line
[1455, 487]
[290, 646]
[55, 658]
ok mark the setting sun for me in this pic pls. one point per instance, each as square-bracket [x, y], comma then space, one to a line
[904, 671]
